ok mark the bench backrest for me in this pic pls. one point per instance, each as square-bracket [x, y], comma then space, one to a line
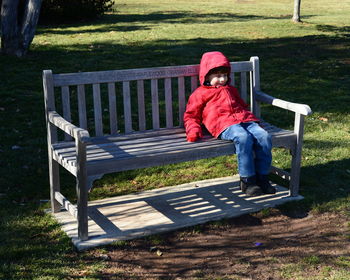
[123, 101]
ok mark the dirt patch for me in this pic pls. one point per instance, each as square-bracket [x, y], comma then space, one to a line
[247, 247]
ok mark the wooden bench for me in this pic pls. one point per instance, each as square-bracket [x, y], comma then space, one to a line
[127, 119]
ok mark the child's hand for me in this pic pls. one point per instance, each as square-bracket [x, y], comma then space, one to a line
[193, 137]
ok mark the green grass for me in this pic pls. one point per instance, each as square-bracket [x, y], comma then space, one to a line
[307, 63]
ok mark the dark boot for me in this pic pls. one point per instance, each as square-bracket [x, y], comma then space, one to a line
[249, 187]
[263, 182]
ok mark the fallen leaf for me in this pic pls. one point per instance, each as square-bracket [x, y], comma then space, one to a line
[323, 119]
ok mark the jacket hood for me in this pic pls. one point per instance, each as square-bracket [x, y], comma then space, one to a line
[212, 60]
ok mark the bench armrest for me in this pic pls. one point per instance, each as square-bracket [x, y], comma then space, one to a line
[76, 132]
[295, 107]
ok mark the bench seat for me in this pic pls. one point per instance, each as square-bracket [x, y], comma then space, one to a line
[139, 150]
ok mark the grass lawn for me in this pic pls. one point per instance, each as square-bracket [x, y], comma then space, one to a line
[307, 63]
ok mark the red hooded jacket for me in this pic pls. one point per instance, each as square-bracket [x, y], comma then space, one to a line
[215, 107]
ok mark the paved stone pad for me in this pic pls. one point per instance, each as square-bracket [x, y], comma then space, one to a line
[170, 208]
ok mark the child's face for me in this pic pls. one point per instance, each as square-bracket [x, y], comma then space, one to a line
[218, 79]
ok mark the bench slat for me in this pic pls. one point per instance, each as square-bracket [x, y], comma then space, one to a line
[155, 104]
[138, 74]
[127, 107]
[194, 83]
[66, 108]
[141, 152]
[141, 105]
[97, 109]
[139, 144]
[168, 103]
[109, 166]
[112, 101]
[243, 87]
[98, 153]
[232, 77]
[82, 106]
[182, 100]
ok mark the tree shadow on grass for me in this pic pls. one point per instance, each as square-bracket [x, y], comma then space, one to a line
[145, 21]
[344, 30]
[303, 69]
[325, 188]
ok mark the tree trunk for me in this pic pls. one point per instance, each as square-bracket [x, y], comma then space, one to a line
[296, 14]
[18, 23]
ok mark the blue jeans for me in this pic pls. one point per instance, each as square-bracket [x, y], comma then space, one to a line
[253, 148]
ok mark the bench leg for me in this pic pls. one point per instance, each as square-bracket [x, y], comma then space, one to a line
[295, 174]
[54, 184]
[82, 206]
[82, 191]
[296, 155]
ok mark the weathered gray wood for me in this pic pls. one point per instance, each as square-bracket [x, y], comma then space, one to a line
[66, 103]
[74, 131]
[194, 83]
[134, 148]
[294, 107]
[255, 81]
[127, 107]
[155, 103]
[63, 124]
[97, 109]
[168, 103]
[182, 100]
[125, 75]
[49, 100]
[72, 209]
[137, 74]
[232, 78]
[142, 147]
[70, 166]
[54, 178]
[141, 105]
[243, 87]
[200, 152]
[112, 101]
[82, 106]
[133, 135]
[66, 107]
[281, 173]
[82, 193]
[132, 152]
[151, 138]
[296, 155]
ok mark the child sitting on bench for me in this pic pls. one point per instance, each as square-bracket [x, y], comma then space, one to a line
[217, 105]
